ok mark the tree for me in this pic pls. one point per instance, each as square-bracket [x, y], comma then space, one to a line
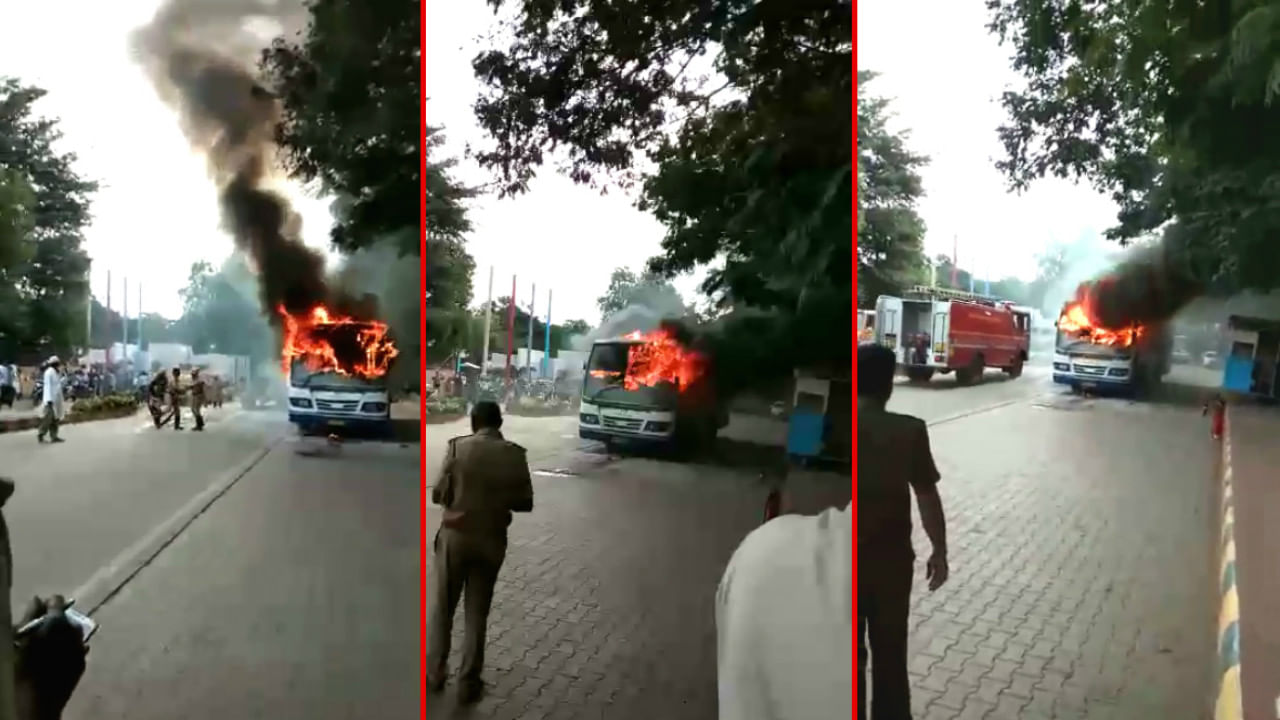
[1169, 108]
[653, 292]
[349, 88]
[44, 207]
[752, 170]
[576, 327]
[891, 237]
[221, 311]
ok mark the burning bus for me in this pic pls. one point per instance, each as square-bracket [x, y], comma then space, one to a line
[337, 370]
[648, 387]
[1089, 356]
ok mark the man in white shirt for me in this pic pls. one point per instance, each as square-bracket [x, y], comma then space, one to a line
[52, 401]
[784, 621]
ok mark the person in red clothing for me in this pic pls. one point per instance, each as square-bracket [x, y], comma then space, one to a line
[1218, 422]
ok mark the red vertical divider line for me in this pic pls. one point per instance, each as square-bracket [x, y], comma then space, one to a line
[422, 364]
[853, 373]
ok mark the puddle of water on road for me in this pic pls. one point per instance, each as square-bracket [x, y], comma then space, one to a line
[558, 472]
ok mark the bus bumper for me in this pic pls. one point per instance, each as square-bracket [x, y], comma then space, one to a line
[312, 423]
[602, 436]
[1095, 383]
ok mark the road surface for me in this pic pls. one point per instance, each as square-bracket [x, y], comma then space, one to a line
[1081, 557]
[294, 594]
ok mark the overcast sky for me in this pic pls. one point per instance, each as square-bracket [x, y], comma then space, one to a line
[558, 236]
[945, 74]
[156, 211]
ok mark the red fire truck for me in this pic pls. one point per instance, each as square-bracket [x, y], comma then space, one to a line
[940, 330]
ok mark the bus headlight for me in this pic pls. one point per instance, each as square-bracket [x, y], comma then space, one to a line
[374, 407]
[1062, 367]
[655, 426]
[301, 403]
[589, 418]
[1118, 372]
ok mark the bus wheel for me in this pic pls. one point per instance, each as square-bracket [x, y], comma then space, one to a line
[1015, 371]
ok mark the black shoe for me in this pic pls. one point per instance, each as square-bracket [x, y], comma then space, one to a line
[470, 691]
[40, 439]
[57, 440]
[435, 683]
[199, 428]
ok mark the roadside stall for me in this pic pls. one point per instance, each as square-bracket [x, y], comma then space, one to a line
[1253, 357]
[821, 418]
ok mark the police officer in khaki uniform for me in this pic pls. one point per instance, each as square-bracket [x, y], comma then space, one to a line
[484, 479]
[197, 398]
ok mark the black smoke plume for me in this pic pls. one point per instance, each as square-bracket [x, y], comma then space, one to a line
[1150, 286]
[200, 56]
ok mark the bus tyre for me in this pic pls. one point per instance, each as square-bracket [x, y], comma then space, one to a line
[919, 374]
[1015, 370]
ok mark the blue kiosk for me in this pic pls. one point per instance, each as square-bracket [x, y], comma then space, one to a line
[821, 418]
[1253, 356]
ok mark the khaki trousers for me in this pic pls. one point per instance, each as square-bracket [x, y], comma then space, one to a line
[465, 564]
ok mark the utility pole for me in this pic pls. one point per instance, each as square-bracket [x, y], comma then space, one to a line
[124, 321]
[139, 318]
[511, 327]
[955, 260]
[528, 349]
[488, 315]
[88, 309]
[108, 350]
[546, 341]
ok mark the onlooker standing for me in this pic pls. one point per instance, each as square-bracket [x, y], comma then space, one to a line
[784, 613]
[483, 480]
[51, 415]
[894, 458]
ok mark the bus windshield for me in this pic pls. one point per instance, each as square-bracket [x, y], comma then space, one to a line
[1068, 342]
[302, 377]
[603, 381]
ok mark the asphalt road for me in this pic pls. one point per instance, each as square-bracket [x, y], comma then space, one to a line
[294, 593]
[1081, 563]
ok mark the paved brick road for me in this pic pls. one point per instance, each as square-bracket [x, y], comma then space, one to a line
[1081, 566]
[1080, 560]
[604, 608]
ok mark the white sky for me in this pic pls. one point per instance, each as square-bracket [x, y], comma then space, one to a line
[156, 211]
[945, 73]
[558, 236]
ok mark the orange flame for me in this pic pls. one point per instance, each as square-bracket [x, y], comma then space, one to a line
[657, 358]
[1077, 319]
[311, 337]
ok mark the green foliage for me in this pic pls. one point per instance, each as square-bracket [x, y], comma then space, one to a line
[221, 313]
[647, 289]
[752, 171]
[105, 404]
[44, 207]
[351, 96]
[1170, 108]
[891, 232]
[446, 406]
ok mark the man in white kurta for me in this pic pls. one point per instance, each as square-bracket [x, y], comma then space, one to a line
[784, 621]
[51, 412]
